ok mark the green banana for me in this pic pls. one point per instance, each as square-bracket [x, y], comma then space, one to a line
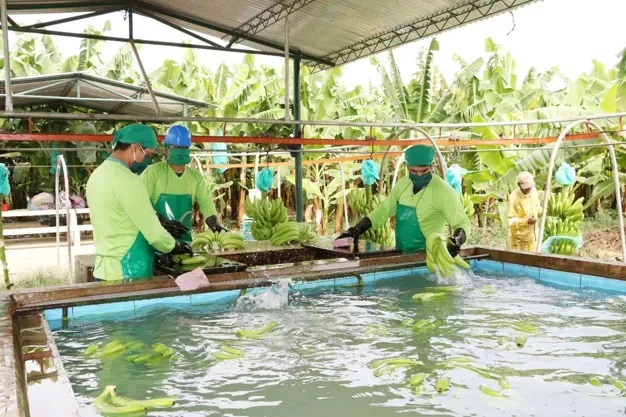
[256, 334]
[194, 260]
[417, 379]
[490, 391]
[395, 361]
[427, 296]
[504, 383]
[595, 382]
[520, 341]
[232, 350]
[91, 350]
[442, 384]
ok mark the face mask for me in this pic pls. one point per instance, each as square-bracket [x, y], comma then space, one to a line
[179, 156]
[139, 167]
[420, 180]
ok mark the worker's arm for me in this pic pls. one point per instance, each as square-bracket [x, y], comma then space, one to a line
[453, 210]
[515, 216]
[203, 197]
[136, 204]
[387, 207]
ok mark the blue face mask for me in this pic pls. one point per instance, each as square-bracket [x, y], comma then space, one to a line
[139, 167]
[420, 181]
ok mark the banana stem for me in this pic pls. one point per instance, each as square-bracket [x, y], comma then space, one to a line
[368, 194]
[3, 257]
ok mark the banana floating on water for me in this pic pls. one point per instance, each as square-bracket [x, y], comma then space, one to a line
[110, 403]
[258, 333]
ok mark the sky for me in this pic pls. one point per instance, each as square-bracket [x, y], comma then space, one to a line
[564, 33]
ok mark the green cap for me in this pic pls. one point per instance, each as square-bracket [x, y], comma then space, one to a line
[419, 155]
[136, 133]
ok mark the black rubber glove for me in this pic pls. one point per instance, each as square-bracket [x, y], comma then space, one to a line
[357, 230]
[173, 227]
[163, 259]
[215, 227]
[455, 242]
[180, 248]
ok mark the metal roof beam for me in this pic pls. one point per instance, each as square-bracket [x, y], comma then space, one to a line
[232, 32]
[89, 5]
[422, 28]
[178, 28]
[73, 18]
[266, 18]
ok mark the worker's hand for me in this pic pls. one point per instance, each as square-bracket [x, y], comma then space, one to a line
[173, 227]
[163, 259]
[532, 221]
[215, 227]
[354, 232]
[455, 241]
[180, 248]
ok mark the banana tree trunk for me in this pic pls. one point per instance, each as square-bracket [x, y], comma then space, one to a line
[241, 208]
[339, 216]
[3, 256]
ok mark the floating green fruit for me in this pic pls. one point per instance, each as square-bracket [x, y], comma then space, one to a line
[619, 385]
[417, 379]
[255, 334]
[91, 350]
[489, 289]
[443, 289]
[520, 341]
[504, 384]
[426, 296]
[490, 391]
[442, 384]
[595, 382]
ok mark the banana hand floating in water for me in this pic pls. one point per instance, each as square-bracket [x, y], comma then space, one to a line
[109, 403]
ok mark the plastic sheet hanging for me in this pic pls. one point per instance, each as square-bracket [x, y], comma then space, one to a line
[5, 185]
[369, 172]
[454, 177]
[220, 153]
[265, 179]
[54, 153]
[566, 174]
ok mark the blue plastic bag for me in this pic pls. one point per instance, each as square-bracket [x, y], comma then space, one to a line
[454, 176]
[566, 174]
[5, 186]
[265, 179]
[220, 153]
[578, 241]
[369, 172]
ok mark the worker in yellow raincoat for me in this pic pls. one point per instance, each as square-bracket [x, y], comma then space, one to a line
[523, 210]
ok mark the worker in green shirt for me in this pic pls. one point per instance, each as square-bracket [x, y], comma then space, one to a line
[174, 187]
[126, 229]
[423, 204]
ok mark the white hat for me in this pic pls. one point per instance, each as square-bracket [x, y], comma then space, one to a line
[525, 180]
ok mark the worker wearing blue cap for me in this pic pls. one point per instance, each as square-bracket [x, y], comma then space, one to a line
[126, 229]
[423, 204]
[174, 187]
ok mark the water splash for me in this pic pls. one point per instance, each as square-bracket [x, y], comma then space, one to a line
[272, 298]
[460, 277]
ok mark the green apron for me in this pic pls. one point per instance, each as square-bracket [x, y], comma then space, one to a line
[177, 207]
[139, 260]
[409, 236]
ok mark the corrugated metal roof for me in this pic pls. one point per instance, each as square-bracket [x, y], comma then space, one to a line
[322, 32]
[96, 93]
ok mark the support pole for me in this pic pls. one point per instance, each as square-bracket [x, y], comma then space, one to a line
[296, 133]
[146, 80]
[7, 58]
[287, 113]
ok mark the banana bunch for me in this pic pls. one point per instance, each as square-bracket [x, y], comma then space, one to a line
[438, 257]
[558, 227]
[265, 216]
[229, 240]
[292, 232]
[563, 247]
[363, 202]
[225, 240]
[565, 218]
[468, 205]
[562, 205]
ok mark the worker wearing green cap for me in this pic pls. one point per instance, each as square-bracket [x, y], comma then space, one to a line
[423, 203]
[126, 228]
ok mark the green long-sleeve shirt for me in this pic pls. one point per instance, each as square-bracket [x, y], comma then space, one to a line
[436, 205]
[119, 208]
[160, 179]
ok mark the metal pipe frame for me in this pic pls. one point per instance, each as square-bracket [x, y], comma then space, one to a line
[57, 202]
[296, 134]
[221, 120]
[73, 18]
[103, 100]
[8, 104]
[618, 192]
